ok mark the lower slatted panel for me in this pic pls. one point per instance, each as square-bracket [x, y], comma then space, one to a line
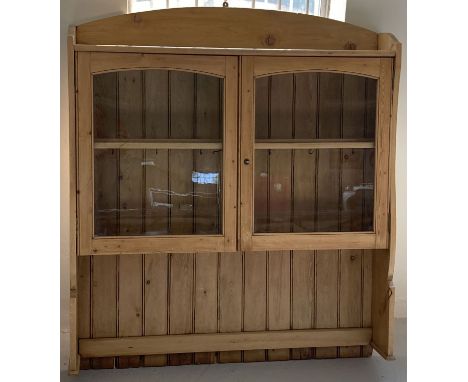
[121, 296]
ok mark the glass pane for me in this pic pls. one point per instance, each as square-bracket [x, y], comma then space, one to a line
[326, 190]
[157, 153]
[317, 187]
[315, 106]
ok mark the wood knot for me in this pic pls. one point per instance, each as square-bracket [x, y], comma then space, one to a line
[270, 39]
[350, 45]
[137, 19]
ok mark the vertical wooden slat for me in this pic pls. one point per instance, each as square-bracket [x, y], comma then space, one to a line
[230, 300]
[105, 161]
[104, 269]
[104, 299]
[130, 218]
[181, 302]
[328, 203]
[326, 313]
[280, 181]
[181, 161]
[354, 123]
[350, 312]
[303, 285]
[255, 303]
[156, 116]
[206, 299]
[367, 296]
[304, 164]
[155, 311]
[207, 205]
[328, 181]
[130, 303]
[182, 125]
[304, 161]
[84, 303]
[279, 298]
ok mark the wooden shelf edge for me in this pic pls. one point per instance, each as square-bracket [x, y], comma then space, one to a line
[313, 144]
[187, 343]
[189, 144]
[232, 51]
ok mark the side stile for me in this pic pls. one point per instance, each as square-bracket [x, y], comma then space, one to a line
[74, 359]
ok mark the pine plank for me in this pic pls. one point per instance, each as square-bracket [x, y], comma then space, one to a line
[206, 299]
[255, 299]
[130, 303]
[326, 313]
[279, 312]
[84, 303]
[104, 303]
[155, 292]
[303, 302]
[181, 302]
[230, 300]
[131, 202]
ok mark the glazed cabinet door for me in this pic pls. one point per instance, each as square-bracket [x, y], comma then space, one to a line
[157, 157]
[314, 153]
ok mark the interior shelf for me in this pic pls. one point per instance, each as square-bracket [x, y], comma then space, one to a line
[214, 144]
[314, 144]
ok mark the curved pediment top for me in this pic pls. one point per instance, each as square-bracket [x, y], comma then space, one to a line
[226, 28]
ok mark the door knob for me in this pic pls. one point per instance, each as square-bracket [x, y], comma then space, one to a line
[246, 161]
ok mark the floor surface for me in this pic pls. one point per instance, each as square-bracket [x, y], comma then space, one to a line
[373, 369]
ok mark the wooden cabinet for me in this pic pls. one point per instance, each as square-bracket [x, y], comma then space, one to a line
[236, 192]
[158, 150]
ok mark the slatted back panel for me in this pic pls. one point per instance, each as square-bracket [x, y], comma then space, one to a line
[136, 295]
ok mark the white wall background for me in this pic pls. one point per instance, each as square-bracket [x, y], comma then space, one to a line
[377, 15]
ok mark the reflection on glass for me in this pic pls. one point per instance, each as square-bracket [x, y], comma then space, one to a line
[314, 190]
[157, 192]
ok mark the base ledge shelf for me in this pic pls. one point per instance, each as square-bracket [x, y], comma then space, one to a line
[188, 343]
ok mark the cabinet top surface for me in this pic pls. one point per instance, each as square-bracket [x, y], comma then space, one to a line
[230, 31]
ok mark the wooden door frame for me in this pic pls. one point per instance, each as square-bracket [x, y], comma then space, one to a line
[90, 63]
[253, 67]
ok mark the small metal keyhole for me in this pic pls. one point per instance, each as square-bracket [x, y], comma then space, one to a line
[246, 161]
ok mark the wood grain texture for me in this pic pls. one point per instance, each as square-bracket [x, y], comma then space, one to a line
[235, 51]
[181, 302]
[73, 361]
[130, 303]
[279, 298]
[230, 300]
[225, 28]
[84, 303]
[206, 300]
[104, 304]
[255, 299]
[225, 342]
[303, 297]
[155, 302]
